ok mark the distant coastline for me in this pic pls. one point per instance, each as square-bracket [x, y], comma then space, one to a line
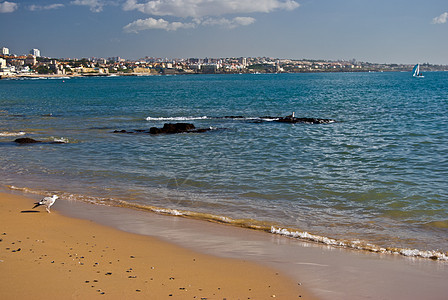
[62, 76]
[31, 66]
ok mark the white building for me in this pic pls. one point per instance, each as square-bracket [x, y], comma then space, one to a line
[30, 60]
[56, 67]
[243, 61]
[4, 70]
[5, 51]
[35, 52]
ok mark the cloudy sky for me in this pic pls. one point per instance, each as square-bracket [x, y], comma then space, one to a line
[382, 31]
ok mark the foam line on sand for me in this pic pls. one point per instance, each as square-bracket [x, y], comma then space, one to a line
[47, 255]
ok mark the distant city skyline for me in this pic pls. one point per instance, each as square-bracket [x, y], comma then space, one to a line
[402, 32]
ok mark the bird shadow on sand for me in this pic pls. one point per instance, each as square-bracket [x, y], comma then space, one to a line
[29, 211]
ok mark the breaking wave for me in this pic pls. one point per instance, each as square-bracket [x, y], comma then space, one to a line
[8, 133]
[359, 245]
[60, 140]
[175, 118]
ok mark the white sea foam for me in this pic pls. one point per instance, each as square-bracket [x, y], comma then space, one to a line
[61, 140]
[62, 77]
[431, 254]
[269, 119]
[168, 211]
[356, 244]
[8, 133]
[175, 118]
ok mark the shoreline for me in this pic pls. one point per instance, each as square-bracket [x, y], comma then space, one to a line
[326, 272]
[57, 76]
[272, 228]
[83, 259]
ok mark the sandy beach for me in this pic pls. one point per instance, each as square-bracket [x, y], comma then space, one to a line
[51, 256]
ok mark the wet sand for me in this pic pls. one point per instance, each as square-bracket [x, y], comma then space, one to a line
[51, 256]
[328, 272]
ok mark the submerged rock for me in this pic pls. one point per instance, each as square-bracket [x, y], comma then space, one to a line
[172, 128]
[291, 119]
[233, 117]
[26, 141]
[287, 119]
[168, 128]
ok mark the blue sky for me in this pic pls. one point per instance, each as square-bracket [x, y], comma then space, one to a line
[381, 31]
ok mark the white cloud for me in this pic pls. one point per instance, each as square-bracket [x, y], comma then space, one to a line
[46, 7]
[202, 12]
[442, 19]
[203, 8]
[8, 7]
[95, 5]
[152, 23]
[232, 23]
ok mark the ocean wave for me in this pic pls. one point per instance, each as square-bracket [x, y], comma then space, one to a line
[60, 140]
[8, 133]
[192, 118]
[244, 223]
[175, 118]
[61, 77]
[359, 245]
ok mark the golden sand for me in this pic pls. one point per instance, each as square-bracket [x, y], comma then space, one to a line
[50, 256]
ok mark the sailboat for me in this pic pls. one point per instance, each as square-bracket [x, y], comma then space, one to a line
[416, 72]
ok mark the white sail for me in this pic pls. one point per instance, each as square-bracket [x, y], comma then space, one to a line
[416, 71]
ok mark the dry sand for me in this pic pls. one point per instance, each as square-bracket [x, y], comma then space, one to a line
[51, 256]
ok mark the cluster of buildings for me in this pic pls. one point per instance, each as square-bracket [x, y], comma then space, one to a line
[12, 65]
[34, 64]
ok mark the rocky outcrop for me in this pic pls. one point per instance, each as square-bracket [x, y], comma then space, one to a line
[291, 119]
[30, 141]
[172, 128]
[168, 128]
[287, 119]
[26, 141]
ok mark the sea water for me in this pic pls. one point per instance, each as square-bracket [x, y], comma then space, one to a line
[375, 179]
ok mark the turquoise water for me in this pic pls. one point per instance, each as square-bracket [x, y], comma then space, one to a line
[378, 175]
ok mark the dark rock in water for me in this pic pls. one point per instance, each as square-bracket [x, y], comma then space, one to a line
[291, 119]
[170, 128]
[287, 119]
[134, 131]
[57, 142]
[233, 117]
[26, 141]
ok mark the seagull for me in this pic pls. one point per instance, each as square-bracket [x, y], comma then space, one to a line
[47, 201]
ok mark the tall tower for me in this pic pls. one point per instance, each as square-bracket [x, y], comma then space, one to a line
[243, 61]
[35, 52]
[5, 51]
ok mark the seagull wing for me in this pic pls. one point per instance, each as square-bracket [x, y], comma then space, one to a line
[50, 201]
[47, 201]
